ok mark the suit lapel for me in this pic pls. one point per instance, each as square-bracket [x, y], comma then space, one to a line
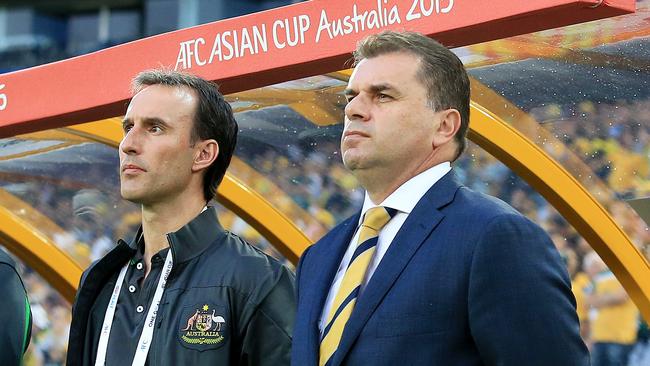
[330, 252]
[417, 227]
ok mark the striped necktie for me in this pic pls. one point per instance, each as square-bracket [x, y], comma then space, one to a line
[346, 296]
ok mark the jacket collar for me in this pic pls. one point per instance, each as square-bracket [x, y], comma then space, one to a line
[192, 239]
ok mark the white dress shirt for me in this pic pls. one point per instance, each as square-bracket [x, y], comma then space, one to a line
[403, 199]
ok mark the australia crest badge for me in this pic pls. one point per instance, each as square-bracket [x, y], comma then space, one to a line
[203, 325]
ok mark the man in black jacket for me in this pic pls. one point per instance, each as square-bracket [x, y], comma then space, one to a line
[15, 314]
[183, 291]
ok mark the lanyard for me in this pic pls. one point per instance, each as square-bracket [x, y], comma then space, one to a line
[147, 332]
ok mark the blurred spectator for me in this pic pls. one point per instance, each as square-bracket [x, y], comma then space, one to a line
[641, 353]
[614, 318]
[580, 282]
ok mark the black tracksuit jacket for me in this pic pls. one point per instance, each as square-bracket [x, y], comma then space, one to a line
[252, 293]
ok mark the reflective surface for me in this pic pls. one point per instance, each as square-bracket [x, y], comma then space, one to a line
[74, 184]
[581, 93]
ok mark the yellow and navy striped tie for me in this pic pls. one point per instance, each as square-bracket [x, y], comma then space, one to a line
[346, 297]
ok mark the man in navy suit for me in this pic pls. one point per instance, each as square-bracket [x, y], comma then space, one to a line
[448, 276]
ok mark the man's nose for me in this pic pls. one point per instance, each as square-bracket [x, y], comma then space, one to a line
[357, 108]
[130, 143]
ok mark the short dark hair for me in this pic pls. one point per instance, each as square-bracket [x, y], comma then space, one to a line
[213, 119]
[442, 72]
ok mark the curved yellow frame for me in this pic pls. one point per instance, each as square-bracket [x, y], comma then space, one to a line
[490, 132]
[33, 246]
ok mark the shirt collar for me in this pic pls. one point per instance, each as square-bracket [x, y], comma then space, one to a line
[404, 198]
[192, 239]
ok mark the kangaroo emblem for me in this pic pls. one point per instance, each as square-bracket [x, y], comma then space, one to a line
[191, 320]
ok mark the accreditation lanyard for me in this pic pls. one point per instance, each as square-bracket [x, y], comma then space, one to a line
[147, 331]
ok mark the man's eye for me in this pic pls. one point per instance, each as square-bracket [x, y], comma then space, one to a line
[127, 128]
[155, 128]
[382, 96]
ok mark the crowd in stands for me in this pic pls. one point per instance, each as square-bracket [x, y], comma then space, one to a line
[310, 185]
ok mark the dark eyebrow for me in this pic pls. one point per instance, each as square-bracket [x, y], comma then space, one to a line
[378, 88]
[374, 89]
[147, 121]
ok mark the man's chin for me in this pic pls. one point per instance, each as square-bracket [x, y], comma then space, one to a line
[132, 197]
[352, 161]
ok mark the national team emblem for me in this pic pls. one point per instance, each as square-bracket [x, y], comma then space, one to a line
[202, 325]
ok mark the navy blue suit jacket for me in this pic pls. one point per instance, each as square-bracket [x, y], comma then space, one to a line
[466, 281]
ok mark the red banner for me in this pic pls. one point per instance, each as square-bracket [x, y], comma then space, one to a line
[287, 43]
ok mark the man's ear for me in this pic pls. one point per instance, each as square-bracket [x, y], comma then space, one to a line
[448, 126]
[206, 153]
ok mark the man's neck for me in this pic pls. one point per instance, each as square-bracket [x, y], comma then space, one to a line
[162, 218]
[380, 182]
